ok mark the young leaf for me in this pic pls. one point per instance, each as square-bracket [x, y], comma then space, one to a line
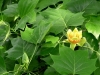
[73, 62]
[36, 36]
[52, 39]
[25, 59]
[27, 34]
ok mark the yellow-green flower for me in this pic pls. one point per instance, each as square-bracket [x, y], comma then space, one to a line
[74, 36]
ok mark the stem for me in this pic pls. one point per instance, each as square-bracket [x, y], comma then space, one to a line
[7, 72]
[20, 67]
[89, 47]
[58, 41]
[36, 47]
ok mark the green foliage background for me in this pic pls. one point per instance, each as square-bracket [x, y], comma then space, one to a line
[32, 34]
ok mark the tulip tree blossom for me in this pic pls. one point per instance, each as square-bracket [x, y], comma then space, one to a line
[75, 38]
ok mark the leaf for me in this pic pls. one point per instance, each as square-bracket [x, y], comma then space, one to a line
[1, 2]
[26, 6]
[91, 44]
[49, 44]
[27, 12]
[73, 62]
[92, 41]
[40, 31]
[48, 60]
[36, 64]
[2, 66]
[51, 71]
[4, 31]
[37, 35]
[49, 50]
[89, 7]
[29, 17]
[97, 71]
[27, 34]
[61, 18]
[75, 19]
[45, 3]
[11, 11]
[9, 64]
[19, 47]
[93, 26]
[53, 39]
[56, 17]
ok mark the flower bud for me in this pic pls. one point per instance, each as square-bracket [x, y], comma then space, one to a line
[25, 59]
[74, 36]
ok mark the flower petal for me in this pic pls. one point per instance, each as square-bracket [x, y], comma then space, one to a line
[69, 31]
[75, 30]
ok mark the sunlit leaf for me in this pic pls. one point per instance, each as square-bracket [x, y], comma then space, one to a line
[27, 34]
[52, 39]
[93, 26]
